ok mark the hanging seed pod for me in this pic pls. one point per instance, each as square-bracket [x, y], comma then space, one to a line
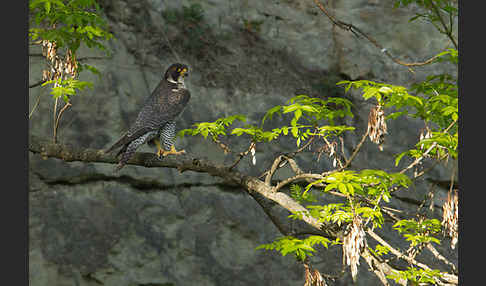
[71, 64]
[353, 244]
[313, 277]
[46, 75]
[49, 50]
[424, 134]
[450, 217]
[377, 126]
[252, 152]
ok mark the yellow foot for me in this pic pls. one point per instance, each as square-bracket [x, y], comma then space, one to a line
[162, 153]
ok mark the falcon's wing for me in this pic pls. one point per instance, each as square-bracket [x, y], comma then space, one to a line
[127, 138]
[156, 112]
[141, 126]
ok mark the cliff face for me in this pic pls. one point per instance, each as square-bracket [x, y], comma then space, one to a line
[90, 226]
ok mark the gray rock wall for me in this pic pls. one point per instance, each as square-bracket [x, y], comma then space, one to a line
[90, 226]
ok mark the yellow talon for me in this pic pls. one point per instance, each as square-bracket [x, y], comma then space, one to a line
[173, 151]
[162, 153]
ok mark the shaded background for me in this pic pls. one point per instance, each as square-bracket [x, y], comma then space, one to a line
[90, 226]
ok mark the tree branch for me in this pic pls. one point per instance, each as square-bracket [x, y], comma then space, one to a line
[356, 150]
[446, 277]
[357, 32]
[269, 173]
[70, 153]
[252, 185]
[305, 176]
[439, 256]
[36, 84]
[419, 159]
[447, 32]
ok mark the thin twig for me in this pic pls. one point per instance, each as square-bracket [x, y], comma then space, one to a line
[297, 178]
[419, 159]
[449, 278]
[35, 105]
[342, 149]
[439, 256]
[54, 135]
[59, 119]
[37, 84]
[77, 59]
[395, 251]
[356, 31]
[294, 166]
[447, 32]
[356, 150]
[272, 170]
[341, 166]
[452, 179]
[241, 155]
[292, 154]
[221, 145]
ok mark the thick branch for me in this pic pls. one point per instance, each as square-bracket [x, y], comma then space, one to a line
[70, 153]
[252, 185]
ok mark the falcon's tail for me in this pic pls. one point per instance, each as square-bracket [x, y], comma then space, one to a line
[126, 153]
[122, 141]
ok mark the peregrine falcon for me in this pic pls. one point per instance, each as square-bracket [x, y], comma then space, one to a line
[156, 119]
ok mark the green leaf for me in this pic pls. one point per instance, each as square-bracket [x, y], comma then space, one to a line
[285, 130]
[270, 112]
[47, 6]
[237, 131]
[330, 187]
[295, 131]
[399, 157]
[290, 108]
[297, 114]
[309, 108]
[370, 92]
[454, 116]
[342, 188]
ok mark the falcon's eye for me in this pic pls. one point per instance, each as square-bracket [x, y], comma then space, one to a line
[183, 71]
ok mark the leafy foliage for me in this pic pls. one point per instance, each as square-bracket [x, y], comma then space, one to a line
[362, 193]
[213, 129]
[67, 87]
[303, 107]
[443, 145]
[297, 193]
[368, 182]
[441, 103]
[301, 248]
[376, 185]
[415, 275]
[419, 231]
[432, 10]
[68, 23]
[380, 250]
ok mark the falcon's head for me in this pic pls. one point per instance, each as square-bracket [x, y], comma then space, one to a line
[176, 73]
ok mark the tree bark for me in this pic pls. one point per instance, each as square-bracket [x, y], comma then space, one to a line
[70, 153]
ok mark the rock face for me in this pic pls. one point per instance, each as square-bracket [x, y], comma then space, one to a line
[90, 226]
